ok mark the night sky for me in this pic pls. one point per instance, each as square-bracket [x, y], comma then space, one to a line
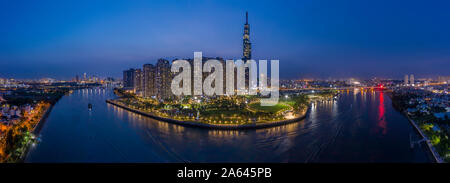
[312, 39]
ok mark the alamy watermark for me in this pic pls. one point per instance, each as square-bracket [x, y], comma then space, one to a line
[182, 82]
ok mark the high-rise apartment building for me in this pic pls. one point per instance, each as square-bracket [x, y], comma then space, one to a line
[149, 80]
[128, 78]
[163, 79]
[204, 75]
[138, 82]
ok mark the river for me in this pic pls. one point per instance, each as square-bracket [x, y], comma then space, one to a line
[361, 126]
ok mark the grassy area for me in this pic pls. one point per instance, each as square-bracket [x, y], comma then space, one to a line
[439, 140]
[288, 101]
[225, 112]
[272, 109]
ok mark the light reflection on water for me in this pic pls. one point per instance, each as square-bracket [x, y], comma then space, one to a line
[355, 128]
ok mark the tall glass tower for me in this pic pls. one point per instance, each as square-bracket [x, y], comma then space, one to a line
[247, 49]
[246, 40]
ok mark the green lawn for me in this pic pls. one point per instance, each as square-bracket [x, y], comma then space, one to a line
[222, 111]
[280, 106]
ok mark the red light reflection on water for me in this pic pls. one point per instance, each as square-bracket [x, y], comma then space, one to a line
[381, 119]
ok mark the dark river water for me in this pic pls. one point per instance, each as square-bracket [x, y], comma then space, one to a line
[358, 127]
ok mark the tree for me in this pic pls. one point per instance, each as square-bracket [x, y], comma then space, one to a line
[300, 102]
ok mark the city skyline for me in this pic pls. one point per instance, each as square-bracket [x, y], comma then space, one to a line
[310, 40]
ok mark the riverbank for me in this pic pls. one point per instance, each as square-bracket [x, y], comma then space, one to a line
[25, 134]
[35, 131]
[41, 122]
[436, 157]
[211, 126]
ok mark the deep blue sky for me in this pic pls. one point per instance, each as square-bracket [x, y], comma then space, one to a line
[319, 39]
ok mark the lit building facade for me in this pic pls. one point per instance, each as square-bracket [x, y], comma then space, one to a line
[163, 79]
[247, 48]
[149, 80]
[138, 82]
[128, 78]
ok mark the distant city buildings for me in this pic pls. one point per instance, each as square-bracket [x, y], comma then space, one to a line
[92, 80]
[47, 80]
[3, 81]
[353, 82]
[444, 79]
[406, 80]
[409, 81]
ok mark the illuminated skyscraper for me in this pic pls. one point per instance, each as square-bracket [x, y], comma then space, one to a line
[411, 79]
[247, 49]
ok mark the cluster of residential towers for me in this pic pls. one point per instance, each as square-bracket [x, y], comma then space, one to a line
[155, 80]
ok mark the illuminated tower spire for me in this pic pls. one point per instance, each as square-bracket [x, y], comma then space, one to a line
[247, 50]
[246, 17]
